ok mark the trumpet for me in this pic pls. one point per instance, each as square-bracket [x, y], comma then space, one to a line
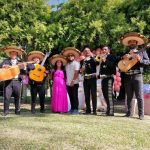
[101, 58]
[83, 68]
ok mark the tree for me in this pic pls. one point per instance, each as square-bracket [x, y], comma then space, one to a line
[98, 22]
[33, 25]
[25, 23]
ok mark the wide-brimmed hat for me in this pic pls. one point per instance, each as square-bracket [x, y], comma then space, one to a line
[34, 54]
[141, 39]
[9, 49]
[71, 50]
[57, 57]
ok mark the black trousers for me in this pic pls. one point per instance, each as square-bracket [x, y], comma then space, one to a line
[121, 95]
[134, 85]
[107, 89]
[12, 87]
[73, 95]
[90, 88]
[38, 89]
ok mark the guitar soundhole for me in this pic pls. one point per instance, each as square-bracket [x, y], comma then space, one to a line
[39, 69]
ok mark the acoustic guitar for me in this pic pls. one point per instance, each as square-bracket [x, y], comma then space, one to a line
[38, 73]
[125, 65]
[11, 71]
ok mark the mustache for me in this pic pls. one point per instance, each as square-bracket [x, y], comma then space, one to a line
[132, 46]
[70, 60]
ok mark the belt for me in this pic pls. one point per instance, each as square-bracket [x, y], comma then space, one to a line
[106, 76]
[15, 80]
[133, 72]
[90, 76]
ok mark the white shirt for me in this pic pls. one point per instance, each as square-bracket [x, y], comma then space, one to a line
[14, 62]
[87, 58]
[97, 69]
[70, 70]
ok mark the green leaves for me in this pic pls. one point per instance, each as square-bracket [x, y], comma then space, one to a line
[138, 24]
[33, 25]
[25, 23]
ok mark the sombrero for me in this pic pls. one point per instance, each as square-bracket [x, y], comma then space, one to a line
[9, 49]
[34, 54]
[141, 39]
[57, 57]
[71, 50]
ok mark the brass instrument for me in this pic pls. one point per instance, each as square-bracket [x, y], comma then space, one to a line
[83, 67]
[101, 57]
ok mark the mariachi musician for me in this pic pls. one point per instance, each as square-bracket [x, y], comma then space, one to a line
[88, 69]
[107, 71]
[12, 86]
[37, 87]
[133, 77]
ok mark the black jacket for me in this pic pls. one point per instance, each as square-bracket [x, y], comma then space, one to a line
[109, 66]
[90, 65]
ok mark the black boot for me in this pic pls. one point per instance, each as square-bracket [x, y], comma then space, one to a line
[33, 108]
[5, 113]
[17, 112]
[42, 110]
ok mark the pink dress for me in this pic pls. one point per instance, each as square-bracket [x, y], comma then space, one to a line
[59, 101]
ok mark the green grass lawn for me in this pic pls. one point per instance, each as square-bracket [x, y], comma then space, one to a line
[66, 132]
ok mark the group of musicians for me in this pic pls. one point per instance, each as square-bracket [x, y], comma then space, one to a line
[87, 67]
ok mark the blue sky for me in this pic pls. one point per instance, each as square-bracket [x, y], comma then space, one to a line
[56, 2]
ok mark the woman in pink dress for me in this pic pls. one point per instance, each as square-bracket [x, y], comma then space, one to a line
[59, 101]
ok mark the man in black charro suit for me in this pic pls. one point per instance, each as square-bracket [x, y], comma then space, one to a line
[88, 69]
[36, 87]
[14, 85]
[107, 71]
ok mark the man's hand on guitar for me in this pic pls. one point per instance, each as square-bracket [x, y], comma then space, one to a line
[24, 65]
[6, 66]
[46, 73]
[126, 57]
[138, 57]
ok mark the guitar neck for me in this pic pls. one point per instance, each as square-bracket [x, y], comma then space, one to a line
[47, 54]
[43, 61]
[29, 62]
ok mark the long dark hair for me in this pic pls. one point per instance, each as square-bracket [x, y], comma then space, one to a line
[62, 68]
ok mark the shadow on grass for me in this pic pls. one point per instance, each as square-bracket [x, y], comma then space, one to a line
[26, 110]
